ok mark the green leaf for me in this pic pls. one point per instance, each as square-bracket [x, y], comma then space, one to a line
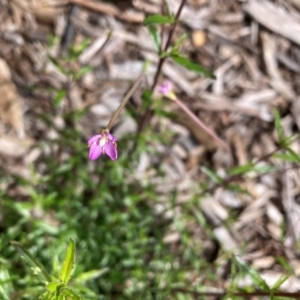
[236, 188]
[68, 262]
[294, 155]
[280, 281]
[6, 287]
[255, 276]
[53, 286]
[75, 51]
[90, 275]
[165, 54]
[59, 96]
[285, 264]
[84, 70]
[47, 296]
[212, 174]
[278, 127]
[286, 157]
[180, 41]
[241, 169]
[265, 168]
[146, 99]
[158, 19]
[72, 294]
[25, 253]
[57, 64]
[155, 35]
[185, 62]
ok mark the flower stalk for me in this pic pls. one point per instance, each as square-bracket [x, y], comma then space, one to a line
[148, 114]
[105, 142]
[124, 102]
[166, 90]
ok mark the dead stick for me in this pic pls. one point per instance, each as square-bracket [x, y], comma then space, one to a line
[111, 10]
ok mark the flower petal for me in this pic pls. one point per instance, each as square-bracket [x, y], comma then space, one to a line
[111, 137]
[165, 88]
[95, 151]
[110, 149]
[94, 138]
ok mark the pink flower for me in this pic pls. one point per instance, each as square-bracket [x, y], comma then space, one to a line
[165, 88]
[103, 143]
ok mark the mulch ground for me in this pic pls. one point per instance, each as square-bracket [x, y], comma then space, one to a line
[252, 47]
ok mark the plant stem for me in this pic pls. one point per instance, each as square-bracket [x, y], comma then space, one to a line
[201, 124]
[168, 43]
[25, 253]
[147, 115]
[124, 101]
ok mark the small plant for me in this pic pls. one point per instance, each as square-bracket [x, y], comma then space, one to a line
[58, 288]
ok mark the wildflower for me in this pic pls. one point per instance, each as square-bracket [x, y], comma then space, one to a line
[166, 90]
[103, 143]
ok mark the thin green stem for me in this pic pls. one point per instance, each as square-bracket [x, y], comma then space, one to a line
[124, 101]
[25, 253]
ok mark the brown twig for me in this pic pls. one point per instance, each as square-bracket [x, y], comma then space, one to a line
[124, 101]
[111, 10]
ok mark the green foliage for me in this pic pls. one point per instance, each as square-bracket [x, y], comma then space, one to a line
[68, 263]
[155, 35]
[57, 288]
[24, 253]
[212, 175]
[241, 268]
[185, 62]
[60, 95]
[290, 156]
[158, 20]
[82, 71]
[77, 50]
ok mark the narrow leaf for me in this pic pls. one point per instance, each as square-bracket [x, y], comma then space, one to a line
[68, 262]
[59, 96]
[76, 51]
[185, 62]
[294, 154]
[180, 41]
[241, 169]
[236, 188]
[278, 127]
[25, 253]
[146, 99]
[158, 19]
[154, 33]
[212, 174]
[90, 275]
[82, 71]
[72, 294]
[287, 157]
[52, 286]
[280, 281]
[255, 276]
[265, 168]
